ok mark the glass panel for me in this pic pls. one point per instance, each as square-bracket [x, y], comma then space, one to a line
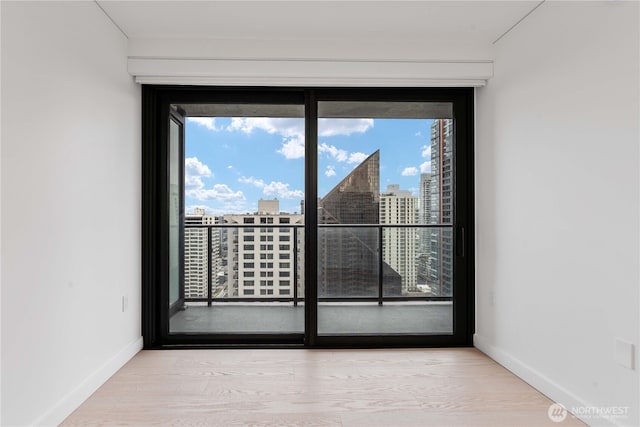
[347, 262]
[413, 278]
[300, 262]
[380, 276]
[414, 317]
[196, 258]
[419, 260]
[399, 247]
[435, 262]
[244, 182]
[174, 212]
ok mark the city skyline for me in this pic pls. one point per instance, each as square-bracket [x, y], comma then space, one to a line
[264, 158]
[412, 260]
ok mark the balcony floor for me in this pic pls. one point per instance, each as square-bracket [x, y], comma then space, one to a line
[333, 318]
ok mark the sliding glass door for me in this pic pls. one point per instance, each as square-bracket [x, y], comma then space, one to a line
[385, 260]
[307, 216]
[243, 192]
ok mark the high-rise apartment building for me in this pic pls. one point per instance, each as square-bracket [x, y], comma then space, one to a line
[348, 260]
[260, 257]
[424, 247]
[440, 241]
[197, 254]
[399, 245]
[424, 210]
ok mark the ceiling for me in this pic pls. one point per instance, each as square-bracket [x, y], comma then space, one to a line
[476, 22]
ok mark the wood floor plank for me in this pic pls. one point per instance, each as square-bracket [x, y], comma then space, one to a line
[295, 387]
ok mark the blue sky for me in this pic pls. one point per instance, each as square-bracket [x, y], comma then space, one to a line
[232, 162]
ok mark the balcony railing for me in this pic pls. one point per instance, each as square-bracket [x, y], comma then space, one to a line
[346, 255]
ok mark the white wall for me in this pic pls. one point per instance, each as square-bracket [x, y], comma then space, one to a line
[557, 159]
[70, 207]
[557, 204]
[0, 213]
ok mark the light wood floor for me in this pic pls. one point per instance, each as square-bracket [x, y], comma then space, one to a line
[404, 387]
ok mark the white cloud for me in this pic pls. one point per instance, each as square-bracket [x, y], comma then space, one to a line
[252, 181]
[208, 122]
[281, 190]
[229, 167]
[292, 148]
[193, 166]
[194, 170]
[231, 201]
[356, 157]
[219, 193]
[425, 167]
[341, 155]
[410, 171]
[193, 183]
[418, 133]
[333, 127]
[330, 171]
[287, 127]
[274, 188]
[334, 152]
[426, 151]
[292, 132]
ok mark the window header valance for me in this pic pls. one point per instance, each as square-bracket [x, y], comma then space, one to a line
[262, 72]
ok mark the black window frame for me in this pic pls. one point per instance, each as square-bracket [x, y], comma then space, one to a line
[156, 100]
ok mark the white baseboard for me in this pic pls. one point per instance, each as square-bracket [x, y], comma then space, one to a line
[70, 402]
[537, 380]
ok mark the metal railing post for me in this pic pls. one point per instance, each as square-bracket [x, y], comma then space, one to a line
[295, 266]
[380, 266]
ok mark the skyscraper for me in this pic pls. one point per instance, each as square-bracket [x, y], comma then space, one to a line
[348, 258]
[441, 208]
[424, 200]
[424, 248]
[399, 244]
[196, 254]
[355, 200]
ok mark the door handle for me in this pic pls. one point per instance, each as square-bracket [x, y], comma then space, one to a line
[460, 240]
